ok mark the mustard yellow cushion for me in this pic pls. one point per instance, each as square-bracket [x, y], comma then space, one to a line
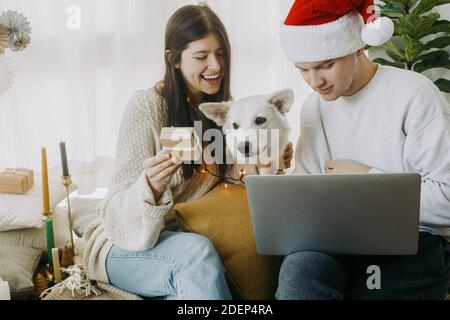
[223, 216]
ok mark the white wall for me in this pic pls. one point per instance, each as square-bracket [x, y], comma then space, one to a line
[73, 85]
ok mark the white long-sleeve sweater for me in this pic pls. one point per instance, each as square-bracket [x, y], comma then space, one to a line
[398, 123]
[129, 217]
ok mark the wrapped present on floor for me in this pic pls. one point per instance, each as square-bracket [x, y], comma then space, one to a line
[182, 143]
[16, 181]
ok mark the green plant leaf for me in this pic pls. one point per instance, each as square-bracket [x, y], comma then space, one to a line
[385, 62]
[401, 2]
[425, 65]
[440, 26]
[412, 4]
[417, 27]
[426, 5]
[393, 16]
[413, 48]
[392, 7]
[390, 13]
[443, 85]
[439, 55]
[439, 43]
[398, 55]
[397, 28]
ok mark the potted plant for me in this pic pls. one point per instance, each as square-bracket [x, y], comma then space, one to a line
[421, 39]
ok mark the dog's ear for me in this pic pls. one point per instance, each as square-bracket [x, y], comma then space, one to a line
[282, 100]
[217, 112]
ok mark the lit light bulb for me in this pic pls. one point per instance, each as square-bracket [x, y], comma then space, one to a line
[225, 186]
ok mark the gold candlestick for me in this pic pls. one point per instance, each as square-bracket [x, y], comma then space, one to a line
[67, 181]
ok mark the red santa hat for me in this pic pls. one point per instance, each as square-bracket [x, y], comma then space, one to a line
[320, 30]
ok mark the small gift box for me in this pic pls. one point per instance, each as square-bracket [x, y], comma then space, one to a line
[186, 155]
[182, 143]
[16, 181]
[28, 172]
[177, 137]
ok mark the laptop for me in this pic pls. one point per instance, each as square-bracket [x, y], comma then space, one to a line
[367, 214]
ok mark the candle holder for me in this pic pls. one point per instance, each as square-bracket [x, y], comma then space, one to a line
[49, 235]
[67, 181]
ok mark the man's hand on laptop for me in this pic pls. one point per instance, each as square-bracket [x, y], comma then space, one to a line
[345, 166]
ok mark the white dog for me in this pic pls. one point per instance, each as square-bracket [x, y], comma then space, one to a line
[256, 128]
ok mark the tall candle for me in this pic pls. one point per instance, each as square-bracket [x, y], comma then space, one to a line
[65, 167]
[56, 265]
[45, 191]
[50, 239]
[4, 290]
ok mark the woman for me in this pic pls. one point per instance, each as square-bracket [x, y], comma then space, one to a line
[131, 245]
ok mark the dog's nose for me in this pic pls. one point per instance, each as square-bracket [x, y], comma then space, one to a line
[244, 148]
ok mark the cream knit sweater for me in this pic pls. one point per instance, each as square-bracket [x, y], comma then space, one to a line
[129, 217]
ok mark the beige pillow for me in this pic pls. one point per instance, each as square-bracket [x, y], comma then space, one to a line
[223, 216]
[36, 237]
[17, 266]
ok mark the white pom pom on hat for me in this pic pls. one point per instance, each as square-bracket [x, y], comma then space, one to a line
[377, 32]
[319, 30]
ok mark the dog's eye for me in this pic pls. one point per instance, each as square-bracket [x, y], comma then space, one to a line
[260, 120]
[235, 126]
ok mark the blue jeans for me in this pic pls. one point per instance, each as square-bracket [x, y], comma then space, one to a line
[319, 276]
[182, 266]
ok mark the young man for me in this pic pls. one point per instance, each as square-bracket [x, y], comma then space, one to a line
[366, 118]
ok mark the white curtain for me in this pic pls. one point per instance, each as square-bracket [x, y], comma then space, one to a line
[74, 81]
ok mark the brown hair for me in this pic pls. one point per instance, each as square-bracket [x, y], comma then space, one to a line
[188, 24]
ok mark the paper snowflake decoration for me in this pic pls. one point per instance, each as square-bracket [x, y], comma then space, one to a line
[4, 38]
[19, 29]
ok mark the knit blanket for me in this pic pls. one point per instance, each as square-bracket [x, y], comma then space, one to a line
[106, 292]
[76, 285]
